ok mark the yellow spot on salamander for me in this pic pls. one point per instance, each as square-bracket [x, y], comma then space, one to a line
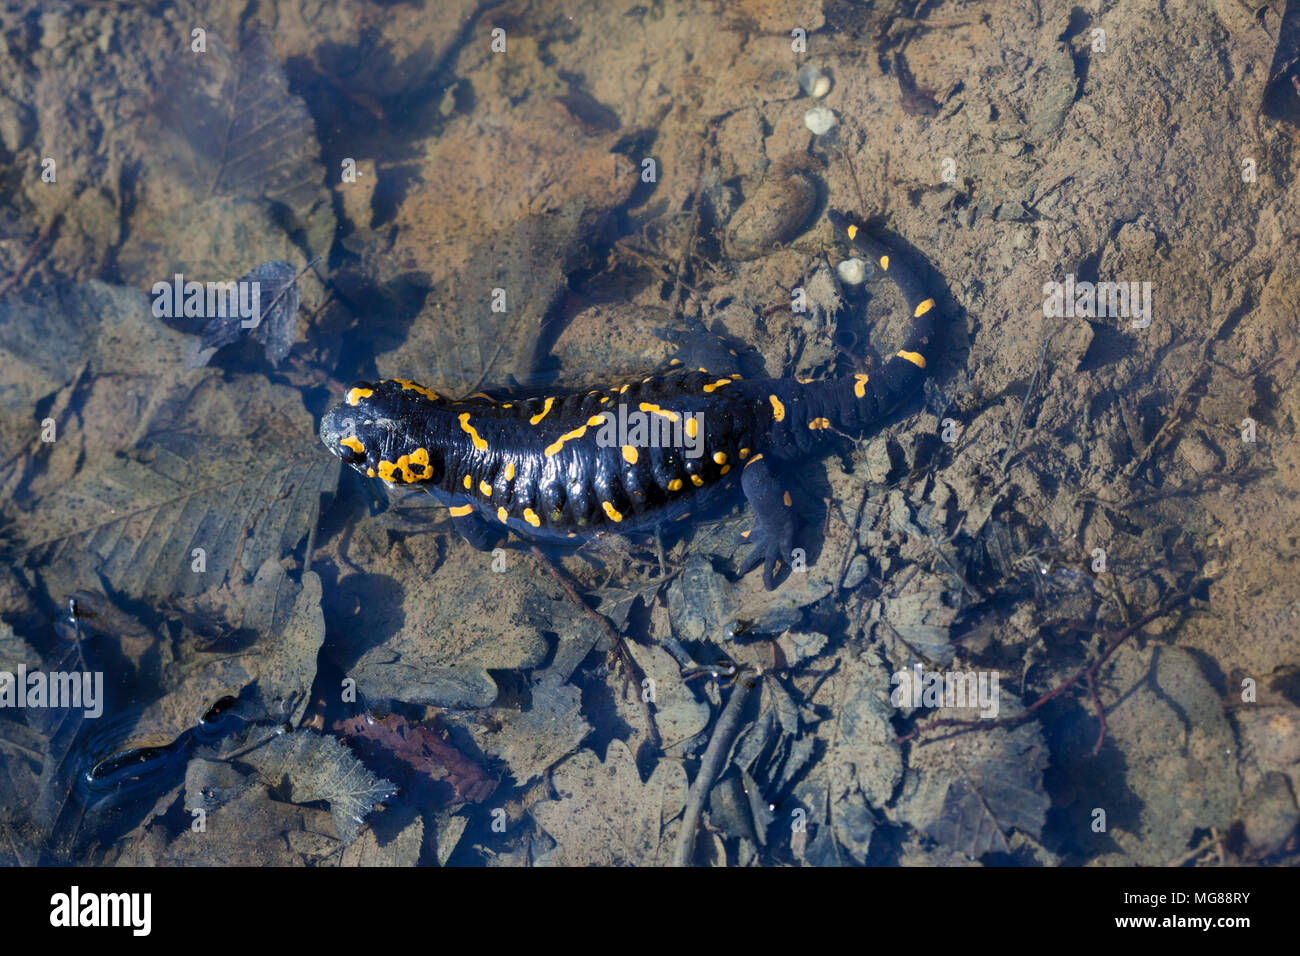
[786, 499]
[465, 426]
[553, 449]
[817, 423]
[595, 421]
[744, 453]
[611, 511]
[624, 389]
[461, 511]
[354, 444]
[370, 472]
[483, 395]
[714, 386]
[675, 361]
[408, 385]
[884, 263]
[630, 454]
[510, 470]
[860, 385]
[604, 399]
[675, 485]
[386, 469]
[546, 407]
[469, 482]
[502, 514]
[923, 308]
[531, 517]
[853, 232]
[724, 469]
[778, 410]
[485, 488]
[720, 457]
[758, 457]
[647, 407]
[697, 481]
[692, 426]
[357, 394]
[916, 358]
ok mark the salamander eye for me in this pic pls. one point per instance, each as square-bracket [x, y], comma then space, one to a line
[352, 451]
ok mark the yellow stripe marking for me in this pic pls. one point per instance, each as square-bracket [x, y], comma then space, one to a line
[778, 410]
[647, 407]
[758, 457]
[483, 395]
[546, 407]
[817, 423]
[916, 358]
[860, 385]
[553, 449]
[629, 454]
[923, 308]
[461, 511]
[531, 517]
[714, 386]
[610, 510]
[357, 394]
[354, 444]
[408, 385]
[465, 426]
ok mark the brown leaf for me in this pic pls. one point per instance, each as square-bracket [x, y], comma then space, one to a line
[416, 753]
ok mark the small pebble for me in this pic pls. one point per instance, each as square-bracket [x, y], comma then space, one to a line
[852, 271]
[819, 120]
[813, 81]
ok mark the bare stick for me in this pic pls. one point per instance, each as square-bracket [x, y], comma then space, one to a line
[714, 758]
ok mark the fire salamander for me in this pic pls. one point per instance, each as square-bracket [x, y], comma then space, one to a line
[629, 456]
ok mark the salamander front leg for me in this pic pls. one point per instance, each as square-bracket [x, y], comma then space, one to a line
[773, 534]
[471, 526]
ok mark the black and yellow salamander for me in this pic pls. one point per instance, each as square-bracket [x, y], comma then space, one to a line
[629, 456]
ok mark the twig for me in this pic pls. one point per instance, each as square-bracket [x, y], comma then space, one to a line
[618, 647]
[1088, 672]
[31, 254]
[1033, 387]
[710, 766]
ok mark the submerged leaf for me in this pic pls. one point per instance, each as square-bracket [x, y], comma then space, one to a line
[321, 768]
[274, 316]
[417, 753]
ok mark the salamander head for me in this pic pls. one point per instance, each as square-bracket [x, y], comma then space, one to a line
[377, 429]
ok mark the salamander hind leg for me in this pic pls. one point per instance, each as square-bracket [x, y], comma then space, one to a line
[773, 534]
[702, 349]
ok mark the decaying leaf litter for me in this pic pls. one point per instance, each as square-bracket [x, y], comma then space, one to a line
[522, 173]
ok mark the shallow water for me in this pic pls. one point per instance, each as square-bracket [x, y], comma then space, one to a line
[281, 661]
